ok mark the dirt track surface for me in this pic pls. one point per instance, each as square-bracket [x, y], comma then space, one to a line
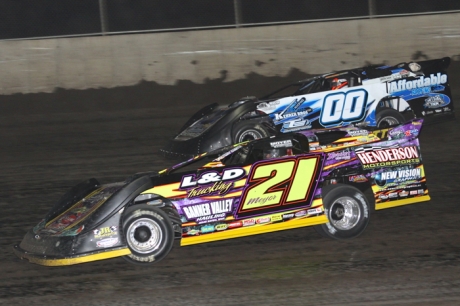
[408, 255]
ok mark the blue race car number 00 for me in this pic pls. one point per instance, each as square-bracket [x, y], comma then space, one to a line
[343, 107]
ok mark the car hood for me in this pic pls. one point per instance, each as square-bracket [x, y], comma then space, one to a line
[72, 221]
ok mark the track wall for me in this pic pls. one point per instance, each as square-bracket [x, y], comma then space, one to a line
[33, 66]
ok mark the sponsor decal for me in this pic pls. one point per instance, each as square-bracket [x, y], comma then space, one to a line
[193, 232]
[288, 216]
[281, 144]
[276, 218]
[314, 211]
[295, 125]
[220, 188]
[401, 175]
[293, 116]
[249, 222]
[208, 211]
[280, 116]
[105, 231]
[422, 91]
[403, 194]
[207, 229]
[357, 178]
[423, 81]
[260, 201]
[396, 132]
[386, 157]
[389, 78]
[436, 101]
[221, 227]
[107, 242]
[383, 197]
[413, 192]
[344, 155]
[358, 133]
[263, 220]
[380, 133]
[211, 182]
[235, 224]
[420, 191]
[300, 213]
[393, 195]
[413, 132]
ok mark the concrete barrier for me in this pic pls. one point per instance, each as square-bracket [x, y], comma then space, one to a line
[32, 66]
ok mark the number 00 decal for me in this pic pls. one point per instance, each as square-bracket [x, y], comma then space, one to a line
[343, 107]
[279, 183]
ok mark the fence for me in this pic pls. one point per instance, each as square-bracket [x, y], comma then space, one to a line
[21, 19]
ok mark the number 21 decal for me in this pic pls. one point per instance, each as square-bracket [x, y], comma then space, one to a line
[279, 185]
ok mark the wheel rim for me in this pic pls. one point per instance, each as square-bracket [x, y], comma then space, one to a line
[344, 213]
[250, 135]
[386, 122]
[144, 236]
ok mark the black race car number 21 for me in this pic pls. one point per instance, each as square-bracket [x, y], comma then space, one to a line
[279, 184]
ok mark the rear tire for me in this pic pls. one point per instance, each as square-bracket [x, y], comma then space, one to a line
[248, 130]
[388, 117]
[149, 234]
[348, 212]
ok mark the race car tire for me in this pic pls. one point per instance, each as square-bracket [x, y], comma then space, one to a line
[248, 130]
[348, 212]
[388, 117]
[149, 234]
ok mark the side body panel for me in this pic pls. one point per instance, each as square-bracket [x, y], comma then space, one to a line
[270, 195]
[425, 95]
[229, 202]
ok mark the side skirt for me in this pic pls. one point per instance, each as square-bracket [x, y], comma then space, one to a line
[254, 230]
[396, 203]
[71, 260]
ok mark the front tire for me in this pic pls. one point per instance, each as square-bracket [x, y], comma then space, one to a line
[149, 234]
[348, 212]
[388, 117]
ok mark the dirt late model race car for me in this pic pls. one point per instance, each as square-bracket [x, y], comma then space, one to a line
[375, 96]
[332, 179]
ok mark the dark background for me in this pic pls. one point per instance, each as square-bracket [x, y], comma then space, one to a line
[32, 18]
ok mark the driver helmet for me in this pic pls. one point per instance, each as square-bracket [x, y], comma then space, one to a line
[339, 83]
